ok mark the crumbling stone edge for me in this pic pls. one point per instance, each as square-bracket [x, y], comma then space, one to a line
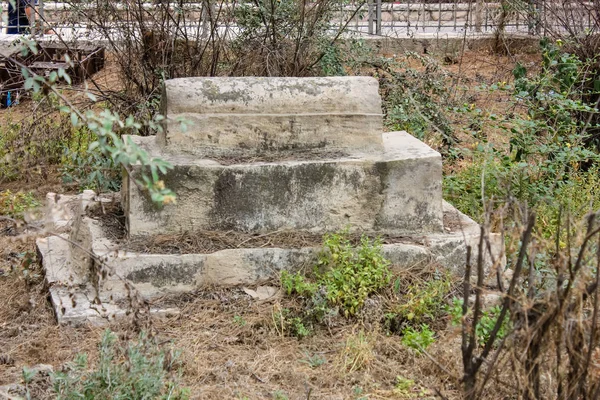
[79, 294]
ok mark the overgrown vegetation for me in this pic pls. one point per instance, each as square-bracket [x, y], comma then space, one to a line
[16, 204]
[541, 341]
[550, 162]
[142, 370]
[345, 275]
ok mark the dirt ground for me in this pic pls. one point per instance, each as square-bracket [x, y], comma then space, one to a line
[230, 345]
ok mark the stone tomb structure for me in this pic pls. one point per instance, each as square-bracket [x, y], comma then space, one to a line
[257, 156]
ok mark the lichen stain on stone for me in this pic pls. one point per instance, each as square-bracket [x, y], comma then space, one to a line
[166, 274]
[276, 190]
[214, 94]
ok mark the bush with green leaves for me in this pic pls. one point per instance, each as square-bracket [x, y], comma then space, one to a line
[346, 273]
[486, 322]
[423, 301]
[417, 99]
[549, 157]
[106, 126]
[16, 204]
[141, 370]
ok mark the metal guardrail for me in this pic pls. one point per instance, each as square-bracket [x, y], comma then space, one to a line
[379, 17]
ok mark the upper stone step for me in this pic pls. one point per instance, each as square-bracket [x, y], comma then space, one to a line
[228, 116]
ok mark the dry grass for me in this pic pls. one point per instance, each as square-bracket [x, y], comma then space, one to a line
[226, 358]
[230, 347]
[28, 331]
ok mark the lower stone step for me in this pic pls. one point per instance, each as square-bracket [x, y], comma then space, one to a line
[104, 284]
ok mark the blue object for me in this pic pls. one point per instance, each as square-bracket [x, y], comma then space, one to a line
[8, 102]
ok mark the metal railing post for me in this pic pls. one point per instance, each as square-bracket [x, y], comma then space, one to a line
[41, 12]
[378, 16]
[370, 16]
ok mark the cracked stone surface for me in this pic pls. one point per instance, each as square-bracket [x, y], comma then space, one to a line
[78, 296]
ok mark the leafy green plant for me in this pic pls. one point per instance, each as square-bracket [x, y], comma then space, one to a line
[550, 151]
[296, 283]
[287, 324]
[407, 389]
[425, 300]
[91, 170]
[143, 370]
[403, 386]
[418, 339]
[314, 360]
[486, 322]
[107, 126]
[352, 274]
[347, 274]
[15, 204]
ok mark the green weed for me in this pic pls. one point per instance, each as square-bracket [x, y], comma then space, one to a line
[314, 360]
[486, 324]
[16, 204]
[424, 301]
[142, 370]
[287, 324]
[352, 273]
[418, 339]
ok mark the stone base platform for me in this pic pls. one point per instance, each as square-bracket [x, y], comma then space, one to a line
[397, 191]
[92, 278]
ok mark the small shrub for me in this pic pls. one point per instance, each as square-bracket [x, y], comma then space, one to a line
[424, 301]
[15, 204]
[550, 153]
[352, 274]
[288, 325]
[313, 361]
[486, 323]
[418, 340]
[296, 283]
[349, 275]
[91, 170]
[143, 370]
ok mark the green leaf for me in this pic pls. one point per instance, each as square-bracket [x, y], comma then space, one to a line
[74, 119]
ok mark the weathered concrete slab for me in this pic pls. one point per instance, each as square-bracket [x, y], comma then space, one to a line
[398, 191]
[100, 297]
[254, 114]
